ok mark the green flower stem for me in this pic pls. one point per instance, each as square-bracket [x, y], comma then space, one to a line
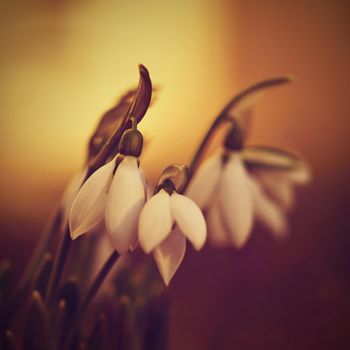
[91, 293]
[24, 283]
[58, 265]
[107, 267]
[229, 110]
[40, 248]
[197, 157]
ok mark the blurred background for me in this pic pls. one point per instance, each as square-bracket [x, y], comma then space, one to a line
[63, 63]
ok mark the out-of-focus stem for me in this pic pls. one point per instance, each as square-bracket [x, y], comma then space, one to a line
[91, 293]
[40, 248]
[229, 109]
[107, 267]
[58, 266]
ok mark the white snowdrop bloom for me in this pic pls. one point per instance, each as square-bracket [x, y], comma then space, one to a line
[115, 195]
[165, 221]
[221, 186]
[268, 212]
[277, 172]
[265, 210]
[237, 186]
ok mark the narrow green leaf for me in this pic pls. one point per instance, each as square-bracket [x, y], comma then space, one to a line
[143, 97]
[137, 109]
[110, 121]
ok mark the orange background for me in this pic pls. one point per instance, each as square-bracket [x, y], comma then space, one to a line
[63, 64]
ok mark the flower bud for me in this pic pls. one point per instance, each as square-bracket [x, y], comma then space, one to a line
[234, 138]
[174, 177]
[131, 142]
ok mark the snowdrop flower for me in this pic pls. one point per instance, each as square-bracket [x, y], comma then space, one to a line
[165, 221]
[233, 197]
[114, 194]
[278, 172]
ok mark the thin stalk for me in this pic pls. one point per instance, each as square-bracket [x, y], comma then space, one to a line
[108, 265]
[41, 246]
[91, 293]
[229, 109]
[58, 266]
[23, 285]
[197, 156]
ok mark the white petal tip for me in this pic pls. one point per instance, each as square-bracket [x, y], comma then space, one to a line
[198, 246]
[166, 282]
[74, 234]
[147, 250]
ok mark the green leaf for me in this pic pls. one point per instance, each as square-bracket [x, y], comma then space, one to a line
[110, 121]
[137, 110]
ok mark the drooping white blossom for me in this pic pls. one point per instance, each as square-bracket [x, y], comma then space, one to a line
[165, 221]
[113, 195]
[233, 196]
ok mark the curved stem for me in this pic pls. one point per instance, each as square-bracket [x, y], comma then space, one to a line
[203, 144]
[229, 108]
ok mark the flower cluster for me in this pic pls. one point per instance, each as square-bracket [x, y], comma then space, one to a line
[230, 190]
[220, 196]
[239, 184]
[232, 187]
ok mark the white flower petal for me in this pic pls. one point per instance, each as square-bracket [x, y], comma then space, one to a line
[71, 192]
[235, 200]
[278, 186]
[301, 175]
[268, 213]
[103, 248]
[169, 254]
[155, 221]
[189, 218]
[205, 180]
[217, 235]
[87, 210]
[125, 199]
